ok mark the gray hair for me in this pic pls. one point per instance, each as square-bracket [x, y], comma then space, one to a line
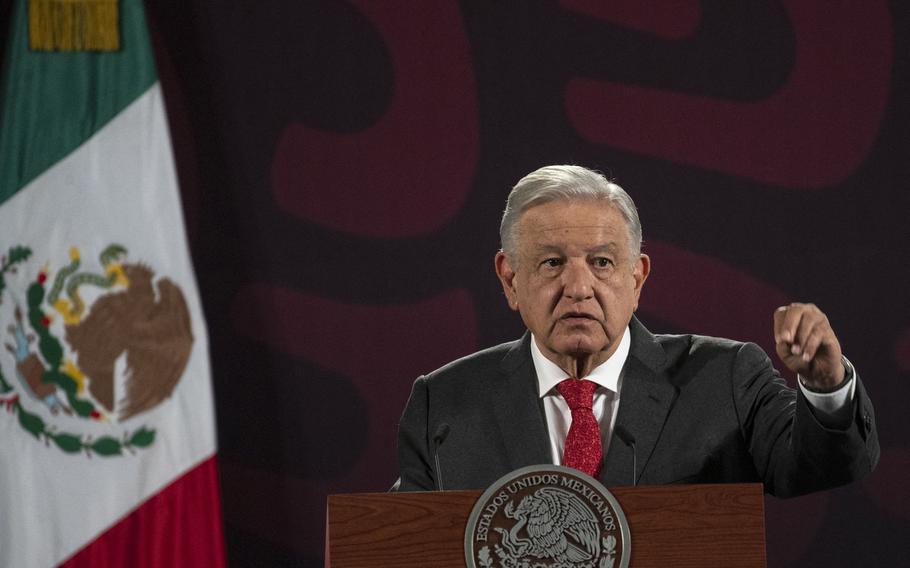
[551, 183]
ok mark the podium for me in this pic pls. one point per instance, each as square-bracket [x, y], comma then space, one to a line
[670, 525]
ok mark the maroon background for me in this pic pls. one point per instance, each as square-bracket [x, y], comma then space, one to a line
[344, 166]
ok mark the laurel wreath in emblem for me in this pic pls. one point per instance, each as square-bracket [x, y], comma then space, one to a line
[147, 325]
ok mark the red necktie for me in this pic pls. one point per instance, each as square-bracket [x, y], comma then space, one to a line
[583, 450]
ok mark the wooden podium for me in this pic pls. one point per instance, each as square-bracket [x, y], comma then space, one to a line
[670, 525]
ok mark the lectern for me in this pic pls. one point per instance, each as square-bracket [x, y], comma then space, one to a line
[670, 525]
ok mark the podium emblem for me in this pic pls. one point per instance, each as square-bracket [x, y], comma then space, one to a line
[547, 517]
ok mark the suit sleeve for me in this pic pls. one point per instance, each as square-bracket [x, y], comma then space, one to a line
[414, 457]
[792, 451]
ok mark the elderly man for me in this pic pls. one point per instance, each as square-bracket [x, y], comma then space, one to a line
[589, 387]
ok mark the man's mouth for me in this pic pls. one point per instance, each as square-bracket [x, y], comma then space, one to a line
[574, 315]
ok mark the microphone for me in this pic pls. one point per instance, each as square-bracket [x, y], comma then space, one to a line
[442, 432]
[628, 439]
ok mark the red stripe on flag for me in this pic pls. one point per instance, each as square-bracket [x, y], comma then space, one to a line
[179, 526]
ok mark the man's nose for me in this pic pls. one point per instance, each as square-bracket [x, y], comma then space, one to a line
[578, 282]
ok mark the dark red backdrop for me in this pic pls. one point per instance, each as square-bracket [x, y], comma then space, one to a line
[344, 166]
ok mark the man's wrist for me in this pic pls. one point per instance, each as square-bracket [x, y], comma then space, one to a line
[849, 373]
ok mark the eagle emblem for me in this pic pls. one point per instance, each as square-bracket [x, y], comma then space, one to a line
[547, 517]
[91, 345]
[557, 524]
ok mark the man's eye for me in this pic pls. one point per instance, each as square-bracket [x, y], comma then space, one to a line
[601, 262]
[552, 262]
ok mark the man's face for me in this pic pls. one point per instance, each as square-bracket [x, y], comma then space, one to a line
[575, 283]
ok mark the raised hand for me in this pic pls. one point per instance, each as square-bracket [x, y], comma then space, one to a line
[807, 345]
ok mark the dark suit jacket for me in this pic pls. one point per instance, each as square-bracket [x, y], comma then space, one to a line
[701, 410]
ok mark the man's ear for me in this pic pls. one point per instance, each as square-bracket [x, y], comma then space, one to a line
[506, 274]
[640, 272]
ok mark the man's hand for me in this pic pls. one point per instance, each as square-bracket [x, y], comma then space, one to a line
[807, 345]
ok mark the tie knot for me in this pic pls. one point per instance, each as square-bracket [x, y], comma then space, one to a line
[578, 393]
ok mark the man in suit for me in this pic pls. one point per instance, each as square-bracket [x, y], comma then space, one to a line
[589, 387]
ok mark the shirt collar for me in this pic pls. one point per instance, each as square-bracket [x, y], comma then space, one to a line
[605, 375]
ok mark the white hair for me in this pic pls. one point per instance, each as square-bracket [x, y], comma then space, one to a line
[552, 183]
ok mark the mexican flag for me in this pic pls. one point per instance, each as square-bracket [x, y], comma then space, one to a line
[107, 438]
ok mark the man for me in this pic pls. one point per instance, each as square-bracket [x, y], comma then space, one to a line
[589, 387]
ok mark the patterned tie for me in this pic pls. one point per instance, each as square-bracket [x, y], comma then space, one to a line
[583, 450]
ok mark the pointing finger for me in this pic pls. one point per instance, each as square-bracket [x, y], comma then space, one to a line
[787, 319]
[780, 324]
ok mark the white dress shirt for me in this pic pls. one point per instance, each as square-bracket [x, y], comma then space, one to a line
[607, 375]
[832, 409]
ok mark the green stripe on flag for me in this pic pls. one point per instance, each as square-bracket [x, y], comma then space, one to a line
[52, 102]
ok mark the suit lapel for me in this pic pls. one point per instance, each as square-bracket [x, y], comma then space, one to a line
[518, 408]
[645, 399]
